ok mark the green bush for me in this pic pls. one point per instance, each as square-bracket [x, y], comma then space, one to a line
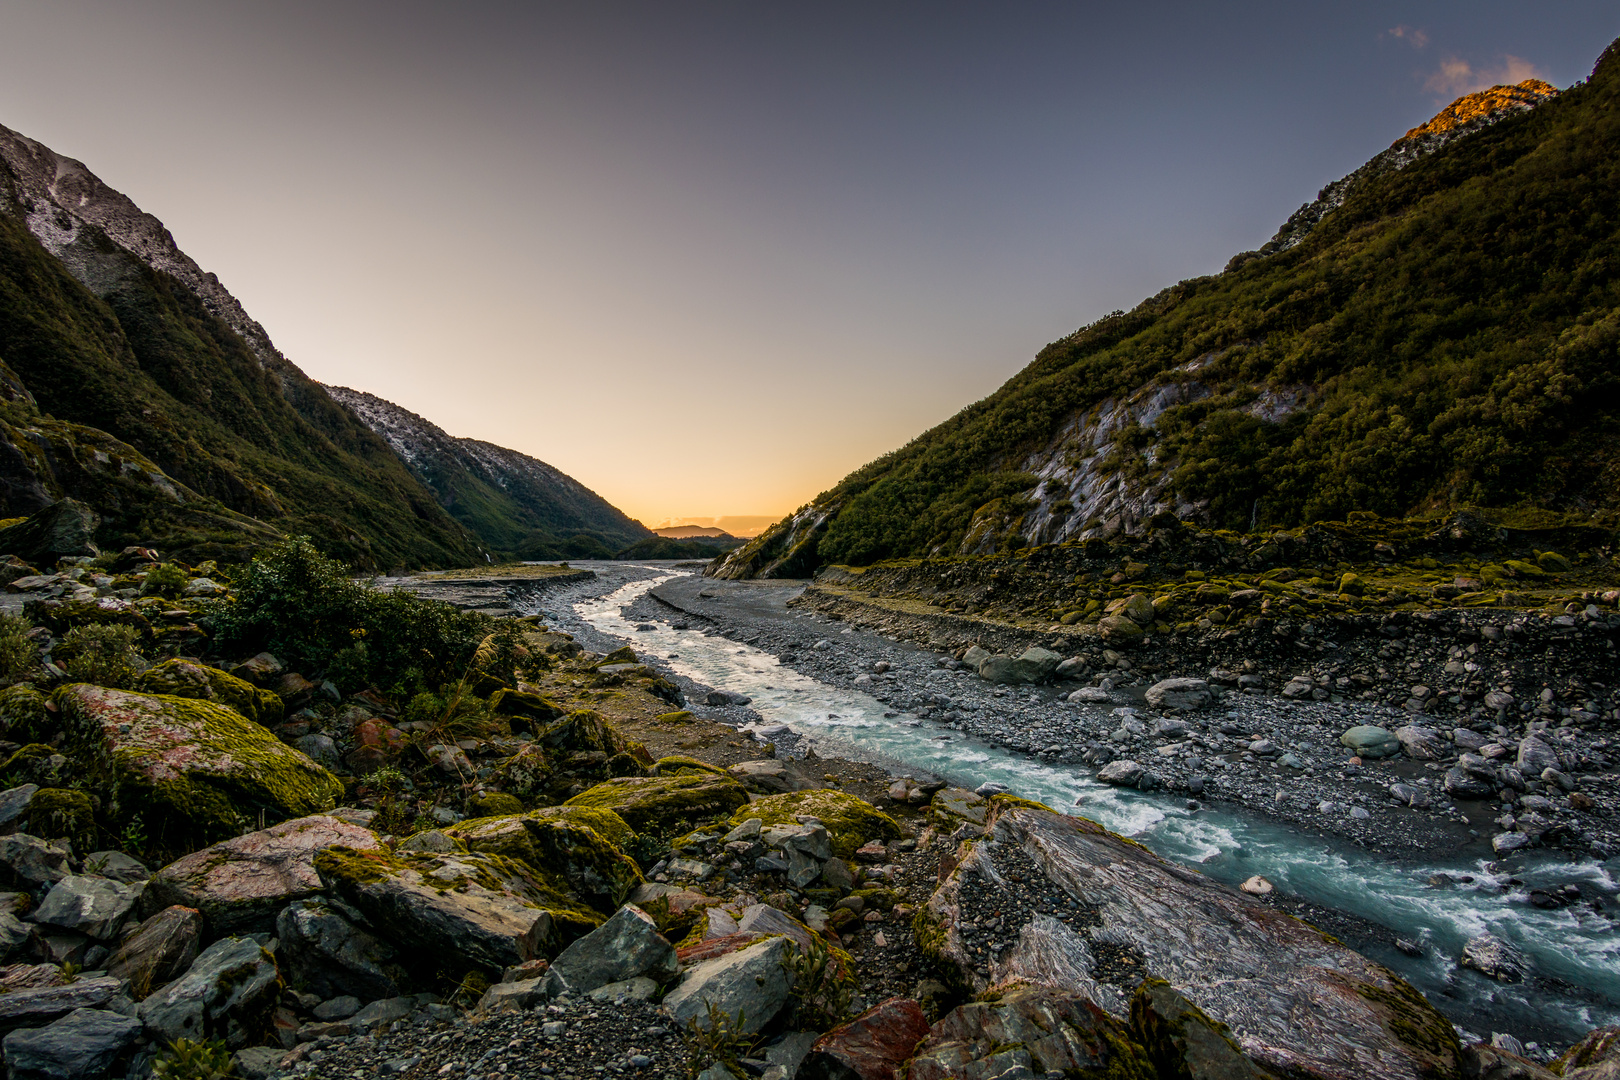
[167, 580]
[101, 654]
[19, 657]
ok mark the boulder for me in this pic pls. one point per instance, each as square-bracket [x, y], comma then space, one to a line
[1421, 743]
[1330, 1011]
[1038, 1029]
[849, 821]
[31, 862]
[321, 749]
[561, 845]
[81, 1046]
[975, 655]
[189, 768]
[1140, 610]
[953, 806]
[1482, 1061]
[327, 954]
[627, 946]
[1119, 630]
[1460, 783]
[240, 884]
[873, 1046]
[665, 805]
[1490, 955]
[767, 777]
[93, 906]
[750, 986]
[1121, 772]
[1371, 741]
[63, 529]
[34, 995]
[1535, 757]
[16, 937]
[228, 993]
[1182, 695]
[116, 865]
[1586, 1060]
[1035, 665]
[1180, 1040]
[160, 950]
[261, 670]
[457, 910]
[1072, 668]
[183, 678]
[1091, 695]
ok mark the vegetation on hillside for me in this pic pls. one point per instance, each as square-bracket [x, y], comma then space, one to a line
[1453, 328]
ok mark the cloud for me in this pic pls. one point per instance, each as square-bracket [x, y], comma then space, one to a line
[1458, 76]
[1412, 35]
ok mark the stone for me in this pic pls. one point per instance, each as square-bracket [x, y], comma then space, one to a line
[81, 1046]
[1072, 668]
[183, 678]
[845, 822]
[638, 989]
[1371, 741]
[1140, 610]
[37, 995]
[1182, 1041]
[324, 951]
[63, 529]
[1121, 772]
[1298, 687]
[158, 951]
[31, 862]
[240, 884]
[116, 865]
[1490, 955]
[1028, 1031]
[15, 937]
[1535, 756]
[873, 1046]
[1594, 1057]
[94, 906]
[321, 750]
[382, 1013]
[1257, 886]
[14, 804]
[338, 1008]
[950, 807]
[1091, 695]
[666, 804]
[1506, 842]
[580, 846]
[750, 986]
[1460, 783]
[1421, 743]
[767, 777]
[975, 656]
[517, 996]
[1119, 630]
[1498, 701]
[456, 910]
[764, 919]
[1329, 1012]
[228, 993]
[187, 767]
[261, 670]
[1483, 1062]
[1182, 695]
[259, 1062]
[626, 946]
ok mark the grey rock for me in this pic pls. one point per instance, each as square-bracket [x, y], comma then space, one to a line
[1182, 695]
[116, 865]
[382, 1013]
[1122, 772]
[975, 656]
[1503, 843]
[519, 996]
[26, 1006]
[32, 862]
[1468, 740]
[338, 1008]
[258, 1062]
[81, 1045]
[14, 936]
[327, 953]
[94, 906]
[1370, 740]
[639, 989]
[767, 777]
[321, 750]
[1462, 784]
[1497, 701]
[1421, 743]
[229, 993]
[1492, 956]
[718, 1071]
[435, 841]
[1298, 687]
[1536, 756]
[1072, 668]
[765, 919]
[63, 529]
[750, 986]
[1091, 695]
[626, 946]
[1410, 795]
[802, 868]
[748, 830]
[160, 950]
[14, 803]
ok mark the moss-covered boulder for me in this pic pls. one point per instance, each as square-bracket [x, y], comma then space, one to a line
[580, 747]
[192, 771]
[23, 716]
[535, 708]
[35, 763]
[850, 821]
[448, 912]
[61, 813]
[1031, 1031]
[666, 805]
[675, 764]
[493, 804]
[182, 678]
[597, 872]
[60, 616]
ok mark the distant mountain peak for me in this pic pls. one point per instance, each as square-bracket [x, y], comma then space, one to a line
[1484, 104]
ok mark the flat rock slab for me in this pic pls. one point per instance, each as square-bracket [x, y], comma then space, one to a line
[240, 884]
[1110, 913]
[82, 1044]
[30, 1005]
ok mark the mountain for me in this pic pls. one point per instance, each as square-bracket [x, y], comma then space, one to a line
[1438, 330]
[140, 385]
[514, 504]
[688, 532]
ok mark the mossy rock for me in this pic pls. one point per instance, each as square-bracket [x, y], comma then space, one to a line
[586, 731]
[182, 678]
[624, 654]
[61, 812]
[23, 716]
[850, 821]
[680, 716]
[607, 823]
[35, 763]
[1182, 1040]
[679, 763]
[1523, 569]
[528, 774]
[60, 616]
[666, 805]
[493, 804]
[527, 705]
[1553, 563]
[193, 771]
[596, 871]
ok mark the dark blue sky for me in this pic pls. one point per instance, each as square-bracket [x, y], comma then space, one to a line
[709, 257]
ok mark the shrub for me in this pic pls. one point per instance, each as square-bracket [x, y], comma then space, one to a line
[18, 655]
[167, 580]
[101, 654]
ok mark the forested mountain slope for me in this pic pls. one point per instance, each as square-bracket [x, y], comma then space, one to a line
[1437, 330]
[117, 334]
[513, 503]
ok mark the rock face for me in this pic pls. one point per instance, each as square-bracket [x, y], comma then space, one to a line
[228, 993]
[240, 884]
[750, 986]
[1294, 999]
[83, 1043]
[627, 946]
[454, 910]
[182, 678]
[1037, 1029]
[65, 528]
[1181, 1040]
[873, 1046]
[189, 767]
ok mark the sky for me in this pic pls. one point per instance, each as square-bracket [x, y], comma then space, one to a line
[709, 258]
